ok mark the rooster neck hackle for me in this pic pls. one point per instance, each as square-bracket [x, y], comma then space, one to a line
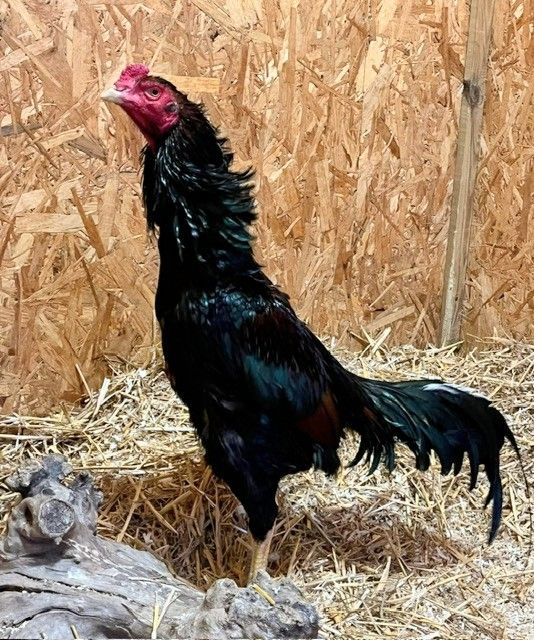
[201, 208]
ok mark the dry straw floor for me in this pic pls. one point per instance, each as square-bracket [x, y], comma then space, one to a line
[400, 556]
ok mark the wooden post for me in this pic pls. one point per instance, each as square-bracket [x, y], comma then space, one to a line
[456, 260]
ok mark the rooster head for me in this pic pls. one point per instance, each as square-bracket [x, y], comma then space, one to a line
[154, 104]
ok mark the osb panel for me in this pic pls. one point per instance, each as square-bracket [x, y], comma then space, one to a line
[347, 110]
[501, 282]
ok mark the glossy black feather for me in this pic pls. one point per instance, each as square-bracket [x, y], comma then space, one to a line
[265, 395]
[429, 415]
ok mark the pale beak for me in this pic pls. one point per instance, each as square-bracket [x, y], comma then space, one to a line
[112, 95]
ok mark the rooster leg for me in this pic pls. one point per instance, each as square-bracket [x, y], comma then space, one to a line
[260, 556]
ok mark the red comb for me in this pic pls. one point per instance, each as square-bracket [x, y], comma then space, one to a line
[134, 71]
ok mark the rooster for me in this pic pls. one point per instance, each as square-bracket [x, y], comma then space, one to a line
[265, 396]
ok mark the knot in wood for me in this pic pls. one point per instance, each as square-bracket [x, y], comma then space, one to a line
[473, 93]
[55, 518]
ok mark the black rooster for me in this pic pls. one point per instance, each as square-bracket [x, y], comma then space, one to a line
[266, 397]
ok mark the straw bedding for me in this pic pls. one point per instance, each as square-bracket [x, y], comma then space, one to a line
[382, 557]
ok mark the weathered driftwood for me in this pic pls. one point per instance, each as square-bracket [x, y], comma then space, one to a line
[58, 579]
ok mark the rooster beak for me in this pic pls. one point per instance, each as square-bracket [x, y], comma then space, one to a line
[112, 95]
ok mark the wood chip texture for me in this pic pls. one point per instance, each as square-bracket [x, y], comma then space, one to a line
[347, 109]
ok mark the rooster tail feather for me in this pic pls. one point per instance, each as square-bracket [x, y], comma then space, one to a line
[431, 415]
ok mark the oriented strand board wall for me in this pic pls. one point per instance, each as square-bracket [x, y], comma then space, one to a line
[501, 282]
[347, 110]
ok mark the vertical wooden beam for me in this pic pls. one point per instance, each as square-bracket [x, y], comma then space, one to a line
[456, 260]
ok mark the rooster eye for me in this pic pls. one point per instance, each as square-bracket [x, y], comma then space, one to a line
[153, 92]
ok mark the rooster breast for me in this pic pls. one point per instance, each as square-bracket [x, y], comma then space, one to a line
[242, 360]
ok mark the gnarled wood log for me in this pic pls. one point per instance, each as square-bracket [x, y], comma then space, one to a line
[57, 578]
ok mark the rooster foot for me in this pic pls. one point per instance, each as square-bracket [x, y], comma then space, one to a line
[260, 559]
